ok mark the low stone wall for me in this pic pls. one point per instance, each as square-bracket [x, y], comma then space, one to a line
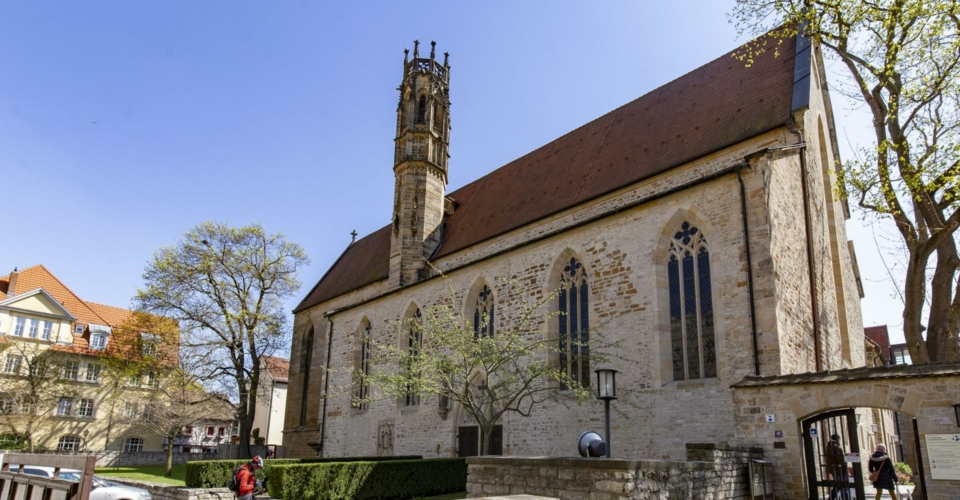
[713, 472]
[168, 492]
[133, 459]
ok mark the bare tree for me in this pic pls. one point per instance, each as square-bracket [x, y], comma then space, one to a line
[32, 386]
[226, 286]
[488, 372]
[902, 59]
[155, 385]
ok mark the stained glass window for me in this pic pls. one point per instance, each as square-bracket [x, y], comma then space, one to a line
[692, 338]
[574, 322]
[415, 343]
[363, 387]
[483, 314]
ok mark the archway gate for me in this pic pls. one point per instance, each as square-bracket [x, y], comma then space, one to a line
[771, 410]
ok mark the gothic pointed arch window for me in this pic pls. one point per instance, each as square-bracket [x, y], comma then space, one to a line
[414, 330]
[484, 314]
[362, 364]
[306, 359]
[692, 339]
[574, 322]
[422, 109]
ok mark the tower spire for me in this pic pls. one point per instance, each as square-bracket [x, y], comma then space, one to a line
[420, 164]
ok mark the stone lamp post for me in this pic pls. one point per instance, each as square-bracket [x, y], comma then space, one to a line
[607, 391]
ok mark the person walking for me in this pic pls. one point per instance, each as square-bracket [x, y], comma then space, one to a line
[886, 475]
[247, 479]
[837, 468]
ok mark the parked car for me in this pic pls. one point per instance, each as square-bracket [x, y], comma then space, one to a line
[103, 489]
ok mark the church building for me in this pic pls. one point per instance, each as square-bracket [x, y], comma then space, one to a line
[700, 223]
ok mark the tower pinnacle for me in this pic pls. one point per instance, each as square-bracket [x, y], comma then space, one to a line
[420, 164]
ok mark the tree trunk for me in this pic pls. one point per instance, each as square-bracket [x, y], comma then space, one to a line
[914, 291]
[486, 433]
[169, 471]
[939, 322]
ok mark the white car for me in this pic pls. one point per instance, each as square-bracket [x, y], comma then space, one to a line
[103, 489]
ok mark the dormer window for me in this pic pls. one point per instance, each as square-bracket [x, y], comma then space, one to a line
[422, 109]
[98, 341]
[148, 344]
[98, 336]
[78, 329]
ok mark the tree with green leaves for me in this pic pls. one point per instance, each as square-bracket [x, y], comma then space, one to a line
[226, 288]
[902, 60]
[485, 368]
[150, 384]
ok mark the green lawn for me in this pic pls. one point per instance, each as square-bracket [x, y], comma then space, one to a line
[153, 473]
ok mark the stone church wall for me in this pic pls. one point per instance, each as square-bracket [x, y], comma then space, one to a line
[625, 255]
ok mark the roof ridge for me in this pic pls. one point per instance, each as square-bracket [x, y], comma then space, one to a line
[88, 302]
[24, 270]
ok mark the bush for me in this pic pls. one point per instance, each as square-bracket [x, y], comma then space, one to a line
[397, 479]
[216, 473]
[904, 473]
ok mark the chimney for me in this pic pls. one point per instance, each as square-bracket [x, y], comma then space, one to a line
[12, 285]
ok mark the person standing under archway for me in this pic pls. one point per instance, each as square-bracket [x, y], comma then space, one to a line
[882, 473]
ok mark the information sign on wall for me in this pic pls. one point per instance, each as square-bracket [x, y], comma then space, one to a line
[943, 452]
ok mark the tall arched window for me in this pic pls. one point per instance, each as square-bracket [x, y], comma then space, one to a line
[305, 362]
[415, 342]
[422, 109]
[362, 390]
[483, 314]
[574, 322]
[691, 306]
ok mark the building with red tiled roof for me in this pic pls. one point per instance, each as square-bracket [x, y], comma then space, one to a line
[272, 405]
[38, 313]
[697, 227]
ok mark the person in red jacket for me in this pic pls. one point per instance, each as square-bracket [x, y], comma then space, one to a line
[246, 478]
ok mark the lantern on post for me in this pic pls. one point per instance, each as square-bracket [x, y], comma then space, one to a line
[607, 391]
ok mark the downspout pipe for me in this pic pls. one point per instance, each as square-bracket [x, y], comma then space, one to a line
[746, 244]
[326, 386]
[811, 262]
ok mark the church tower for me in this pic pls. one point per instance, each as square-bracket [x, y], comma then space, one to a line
[420, 164]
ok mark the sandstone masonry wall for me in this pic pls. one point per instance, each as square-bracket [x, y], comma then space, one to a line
[714, 472]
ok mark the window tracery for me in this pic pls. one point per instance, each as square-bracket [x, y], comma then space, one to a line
[692, 337]
[362, 390]
[415, 342]
[483, 314]
[574, 322]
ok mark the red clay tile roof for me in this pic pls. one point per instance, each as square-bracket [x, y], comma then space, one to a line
[715, 106]
[279, 368]
[39, 276]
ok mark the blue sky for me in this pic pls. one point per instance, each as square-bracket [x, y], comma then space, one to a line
[123, 124]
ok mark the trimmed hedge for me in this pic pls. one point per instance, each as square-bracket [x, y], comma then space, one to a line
[216, 473]
[399, 479]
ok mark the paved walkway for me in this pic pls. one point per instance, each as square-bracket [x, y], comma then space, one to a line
[518, 497]
[871, 494]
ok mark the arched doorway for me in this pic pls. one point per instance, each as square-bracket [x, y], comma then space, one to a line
[773, 412]
[827, 477]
